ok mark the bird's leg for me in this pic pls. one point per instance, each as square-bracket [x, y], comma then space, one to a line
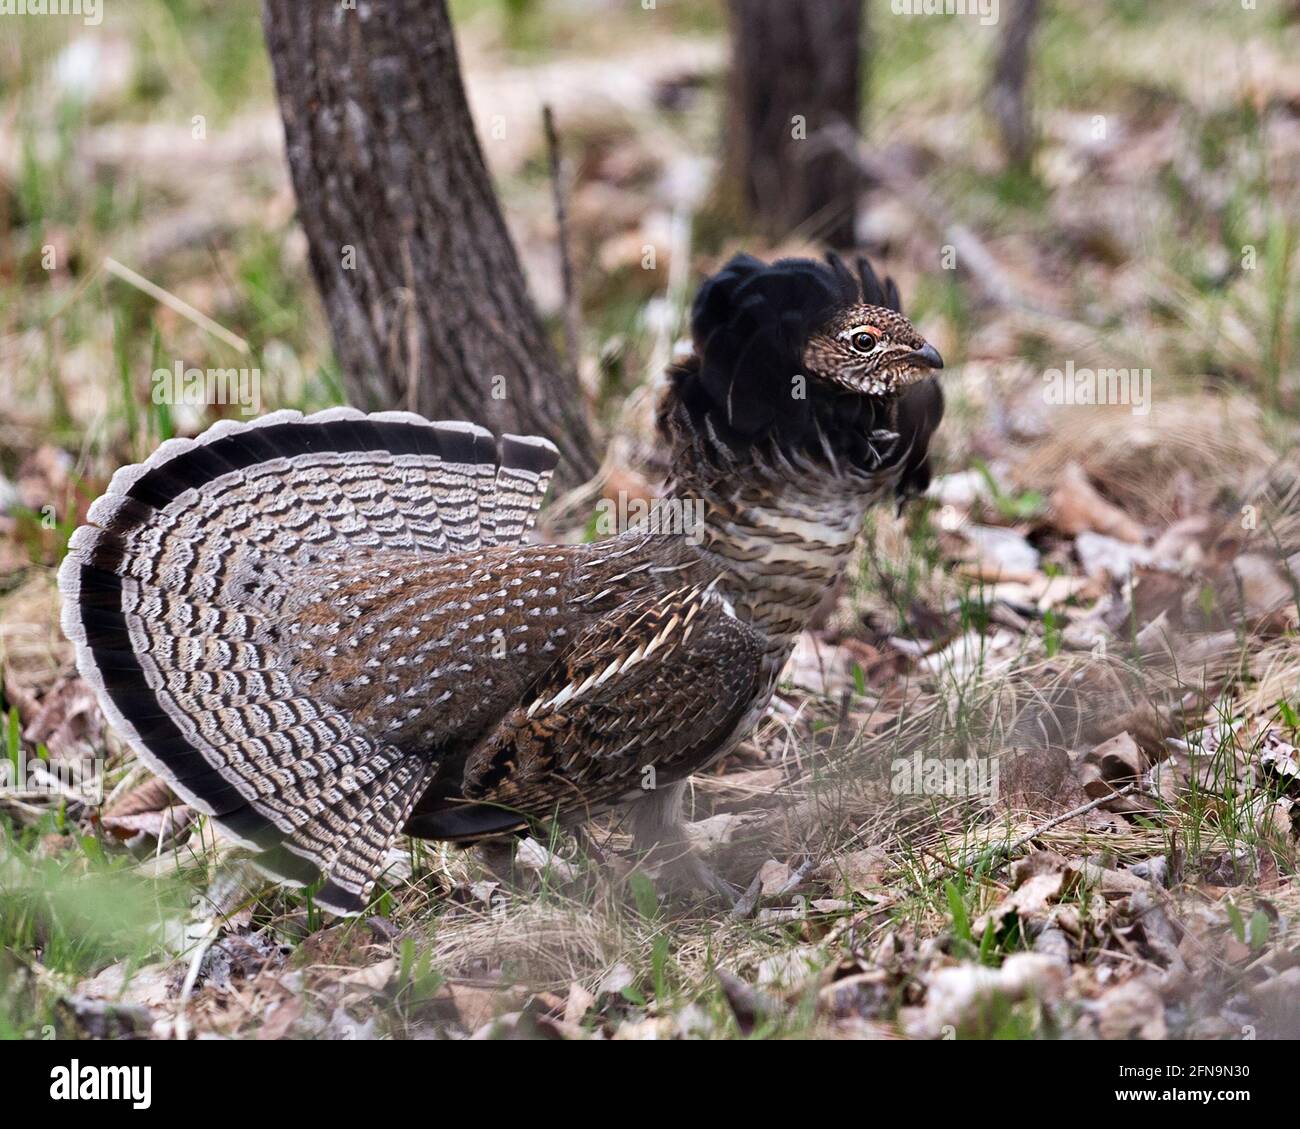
[658, 831]
[703, 877]
[497, 856]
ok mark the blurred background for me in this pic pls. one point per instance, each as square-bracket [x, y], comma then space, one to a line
[1159, 144]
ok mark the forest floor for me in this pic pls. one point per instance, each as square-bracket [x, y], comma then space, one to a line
[1034, 774]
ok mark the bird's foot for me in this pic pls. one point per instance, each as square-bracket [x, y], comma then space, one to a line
[497, 857]
[710, 881]
[683, 875]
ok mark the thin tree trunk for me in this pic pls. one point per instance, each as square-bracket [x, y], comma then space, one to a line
[421, 283]
[1009, 89]
[795, 69]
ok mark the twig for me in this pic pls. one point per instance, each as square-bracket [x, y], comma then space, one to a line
[748, 901]
[796, 877]
[572, 304]
[1001, 854]
[168, 299]
[212, 929]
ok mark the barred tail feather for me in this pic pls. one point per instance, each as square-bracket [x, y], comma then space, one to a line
[349, 842]
[172, 593]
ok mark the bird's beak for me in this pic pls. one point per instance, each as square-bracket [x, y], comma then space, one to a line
[927, 356]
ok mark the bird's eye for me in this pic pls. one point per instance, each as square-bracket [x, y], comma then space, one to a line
[862, 342]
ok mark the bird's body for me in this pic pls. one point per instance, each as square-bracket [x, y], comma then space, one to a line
[325, 630]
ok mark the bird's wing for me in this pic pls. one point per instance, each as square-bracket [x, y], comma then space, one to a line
[647, 695]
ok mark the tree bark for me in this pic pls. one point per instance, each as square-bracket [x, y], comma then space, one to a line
[1009, 89]
[425, 296]
[795, 68]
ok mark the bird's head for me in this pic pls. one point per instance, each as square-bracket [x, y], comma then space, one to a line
[804, 353]
[869, 350]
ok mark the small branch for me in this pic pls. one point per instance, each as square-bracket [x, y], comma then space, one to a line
[748, 901]
[211, 931]
[572, 303]
[168, 299]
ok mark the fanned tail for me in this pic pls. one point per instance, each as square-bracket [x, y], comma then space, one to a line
[172, 592]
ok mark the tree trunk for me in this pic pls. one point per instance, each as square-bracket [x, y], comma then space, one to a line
[795, 68]
[421, 283]
[1008, 92]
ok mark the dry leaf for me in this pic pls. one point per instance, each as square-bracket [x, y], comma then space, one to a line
[68, 722]
[1131, 1010]
[152, 794]
[374, 977]
[1264, 586]
[478, 1006]
[1109, 557]
[957, 997]
[151, 986]
[1280, 760]
[1113, 883]
[773, 877]
[857, 872]
[578, 1003]
[280, 1018]
[1078, 508]
[865, 994]
[1109, 765]
[159, 824]
[532, 855]
[718, 830]
[620, 976]
[1028, 902]
[1000, 552]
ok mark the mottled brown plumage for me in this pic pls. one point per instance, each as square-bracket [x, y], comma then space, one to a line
[326, 630]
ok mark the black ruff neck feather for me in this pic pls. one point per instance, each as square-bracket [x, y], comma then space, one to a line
[746, 382]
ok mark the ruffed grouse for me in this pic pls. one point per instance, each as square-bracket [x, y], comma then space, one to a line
[326, 631]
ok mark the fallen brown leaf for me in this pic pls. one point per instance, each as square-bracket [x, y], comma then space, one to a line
[1076, 507]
